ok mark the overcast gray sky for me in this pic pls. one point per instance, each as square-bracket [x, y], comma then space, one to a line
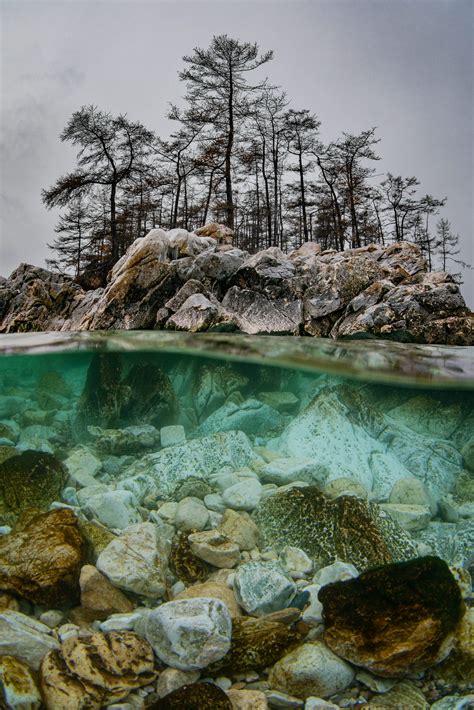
[405, 67]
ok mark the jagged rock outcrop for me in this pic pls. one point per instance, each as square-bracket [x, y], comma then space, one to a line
[200, 282]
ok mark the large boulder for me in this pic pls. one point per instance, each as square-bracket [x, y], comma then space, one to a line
[33, 299]
[347, 528]
[42, 561]
[259, 314]
[394, 620]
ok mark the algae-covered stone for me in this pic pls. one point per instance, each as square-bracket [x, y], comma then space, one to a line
[403, 695]
[42, 562]
[97, 671]
[97, 538]
[20, 691]
[396, 619]
[347, 528]
[103, 395]
[152, 399]
[184, 563]
[256, 644]
[197, 696]
[32, 477]
[263, 587]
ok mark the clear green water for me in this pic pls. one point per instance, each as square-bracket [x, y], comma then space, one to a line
[371, 413]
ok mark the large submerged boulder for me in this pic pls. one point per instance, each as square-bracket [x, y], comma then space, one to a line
[347, 528]
[372, 291]
[394, 620]
[42, 561]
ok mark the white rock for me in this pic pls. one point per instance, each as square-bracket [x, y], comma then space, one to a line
[375, 683]
[25, 638]
[337, 572]
[115, 509]
[263, 587]
[244, 495]
[202, 458]
[190, 634]
[286, 470]
[67, 631]
[296, 562]
[125, 622]
[172, 435]
[410, 517]
[191, 514]
[313, 614]
[454, 702]
[82, 466]
[312, 669]
[215, 548]
[136, 561]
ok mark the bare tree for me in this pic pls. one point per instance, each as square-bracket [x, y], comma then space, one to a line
[112, 150]
[218, 93]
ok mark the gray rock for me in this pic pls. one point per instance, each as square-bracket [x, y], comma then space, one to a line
[191, 514]
[199, 457]
[244, 495]
[25, 638]
[190, 634]
[256, 313]
[263, 587]
[252, 417]
[172, 435]
[198, 313]
[114, 509]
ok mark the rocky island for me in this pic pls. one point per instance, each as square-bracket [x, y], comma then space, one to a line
[199, 282]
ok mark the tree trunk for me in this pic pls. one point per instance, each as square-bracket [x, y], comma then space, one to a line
[303, 198]
[113, 224]
[228, 155]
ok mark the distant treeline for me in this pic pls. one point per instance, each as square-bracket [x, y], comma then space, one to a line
[238, 155]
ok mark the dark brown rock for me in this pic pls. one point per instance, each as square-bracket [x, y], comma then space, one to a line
[394, 620]
[42, 562]
[255, 644]
[32, 476]
[103, 396]
[151, 398]
[198, 696]
[184, 564]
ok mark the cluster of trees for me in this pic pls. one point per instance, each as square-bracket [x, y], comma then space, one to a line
[238, 155]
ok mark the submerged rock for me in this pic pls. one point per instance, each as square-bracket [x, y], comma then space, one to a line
[197, 696]
[102, 396]
[20, 691]
[42, 561]
[136, 561]
[184, 563]
[151, 398]
[26, 639]
[31, 478]
[311, 670]
[263, 587]
[256, 644]
[347, 528]
[394, 620]
[96, 671]
[190, 634]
